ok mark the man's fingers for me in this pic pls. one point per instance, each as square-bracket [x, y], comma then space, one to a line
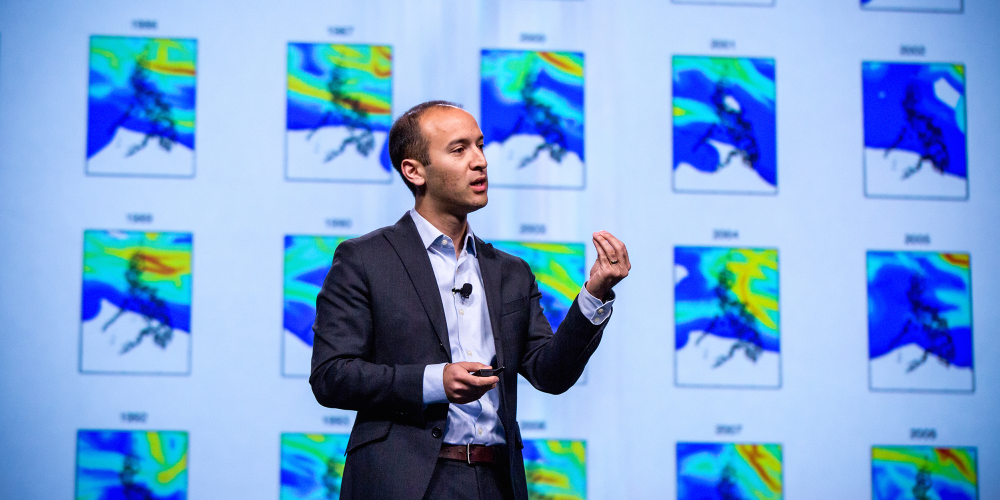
[601, 255]
[462, 387]
[470, 366]
[615, 243]
[477, 386]
[625, 265]
[609, 251]
[464, 374]
[470, 394]
[620, 250]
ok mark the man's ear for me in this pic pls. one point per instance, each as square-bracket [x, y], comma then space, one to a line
[413, 171]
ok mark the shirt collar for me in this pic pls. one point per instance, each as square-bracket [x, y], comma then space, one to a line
[431, 236]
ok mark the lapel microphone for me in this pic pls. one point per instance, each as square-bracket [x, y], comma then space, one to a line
[465, 291]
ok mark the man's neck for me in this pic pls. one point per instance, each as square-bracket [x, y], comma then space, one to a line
[452, 225]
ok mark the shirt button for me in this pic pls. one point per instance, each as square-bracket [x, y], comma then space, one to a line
[461, 311]
[480, 431]
[469, 352]
[600, 311]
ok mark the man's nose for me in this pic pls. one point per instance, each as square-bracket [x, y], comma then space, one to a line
[480, 159]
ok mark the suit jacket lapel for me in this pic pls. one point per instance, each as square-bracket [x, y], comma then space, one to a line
[406, 241]
[489, 266]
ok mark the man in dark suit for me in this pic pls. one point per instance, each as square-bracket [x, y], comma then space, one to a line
[409, 312]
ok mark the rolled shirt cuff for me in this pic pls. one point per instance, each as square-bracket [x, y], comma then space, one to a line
[591, 307]
[434, 384]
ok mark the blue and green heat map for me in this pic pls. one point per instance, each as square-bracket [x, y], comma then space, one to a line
[729, 471]
[126, 465]
[559, 272]
[555, 469]
[142, 85]
[532, 111]
[924, 473]
[920, 299]
[918, 112]
[724, 121]
[312, 466]
[142, 274]
[342, 86]
[307, 261]
[730, 293]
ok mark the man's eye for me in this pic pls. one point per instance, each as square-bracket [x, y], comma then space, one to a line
[458, 150]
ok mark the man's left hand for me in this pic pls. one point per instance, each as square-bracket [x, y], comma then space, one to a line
[612, 265]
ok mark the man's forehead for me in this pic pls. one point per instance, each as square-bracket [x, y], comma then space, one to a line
[448, 121]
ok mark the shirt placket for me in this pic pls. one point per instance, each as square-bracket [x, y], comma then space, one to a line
[459, 311]
[480, 433]
[462, 276]
[460, 307]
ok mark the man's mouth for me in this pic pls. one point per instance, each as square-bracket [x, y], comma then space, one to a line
[479, 184]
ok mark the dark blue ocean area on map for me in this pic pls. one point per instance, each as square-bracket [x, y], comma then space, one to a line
[105, 114]
[892, 322]
[902, 111]
[299, 319]
[93, 291]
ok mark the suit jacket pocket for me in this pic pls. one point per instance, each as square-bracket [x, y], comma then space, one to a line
[514, 306]
[367, 432]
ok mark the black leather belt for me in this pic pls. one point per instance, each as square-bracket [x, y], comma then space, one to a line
[469, 453]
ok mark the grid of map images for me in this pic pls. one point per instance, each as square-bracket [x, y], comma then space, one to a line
[136, 297]
[725, 471]
[726, 315]
[141, 106]
[148, 465]
[339, 113]
[532, 118]
[920, 321]
[724, 125]
[924, 472]
[136, 305]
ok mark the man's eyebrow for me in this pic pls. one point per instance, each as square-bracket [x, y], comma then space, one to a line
[464, 140]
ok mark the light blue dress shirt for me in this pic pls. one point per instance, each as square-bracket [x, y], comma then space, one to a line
[470, 333]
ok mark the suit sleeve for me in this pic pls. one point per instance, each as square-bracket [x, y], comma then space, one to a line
[343, 374]
[554, 362]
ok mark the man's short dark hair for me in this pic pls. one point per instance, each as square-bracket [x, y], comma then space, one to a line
[407, 141]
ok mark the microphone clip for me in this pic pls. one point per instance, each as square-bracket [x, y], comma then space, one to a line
[465, 291]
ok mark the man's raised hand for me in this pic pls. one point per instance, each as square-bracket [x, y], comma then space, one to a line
[462, 387]
[612, 265]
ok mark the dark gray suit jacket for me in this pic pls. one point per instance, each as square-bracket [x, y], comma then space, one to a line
[380, 321]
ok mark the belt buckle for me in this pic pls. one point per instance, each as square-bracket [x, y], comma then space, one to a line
[468, 453]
